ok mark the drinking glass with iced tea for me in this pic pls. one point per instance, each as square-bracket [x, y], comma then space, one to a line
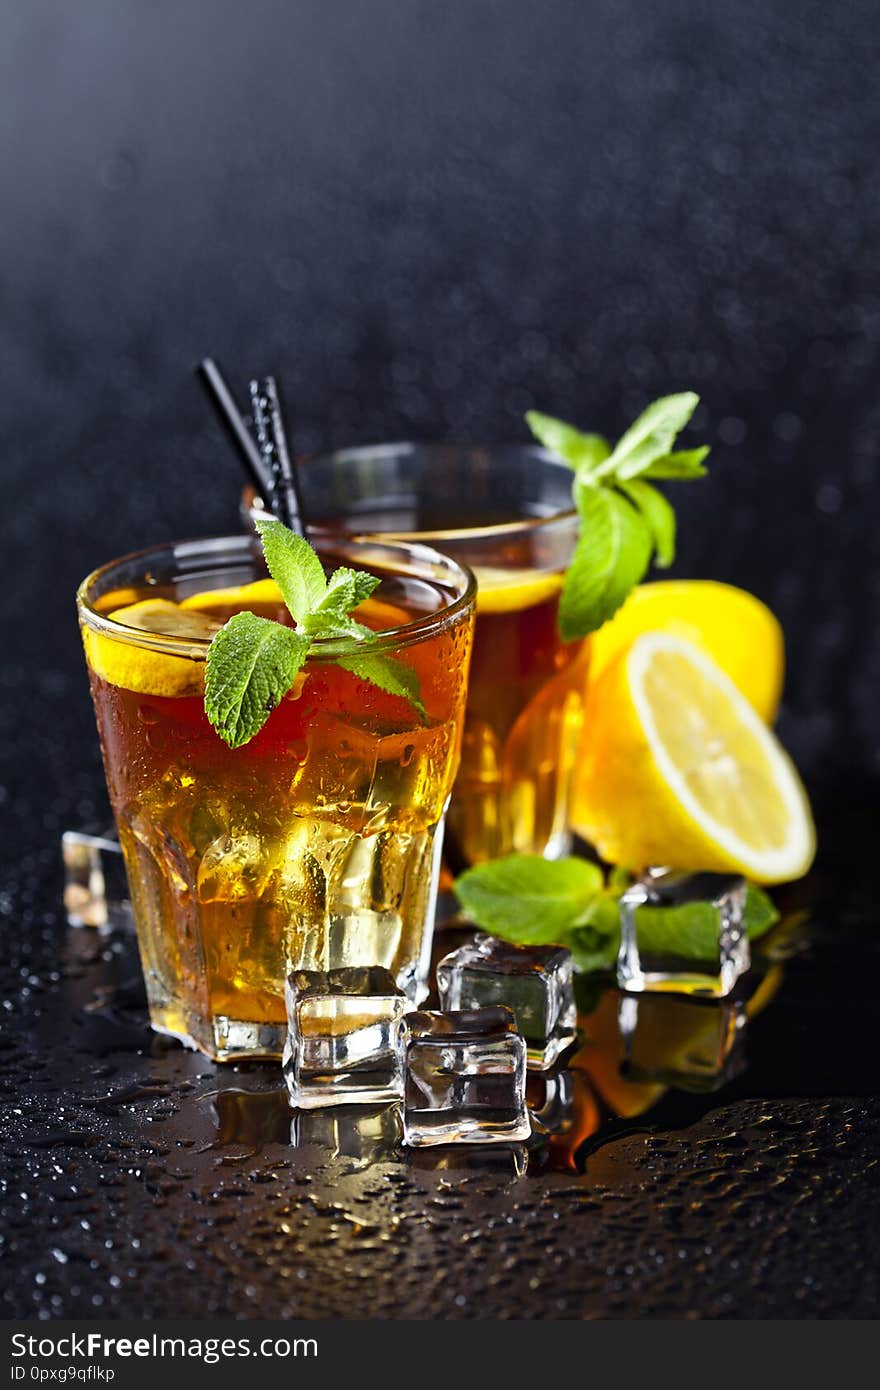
[506, 511]
[315, 846]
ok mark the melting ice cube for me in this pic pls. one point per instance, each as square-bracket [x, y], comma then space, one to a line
[465, 1078]
[534, 982]
[655, 932]
[345, 1036]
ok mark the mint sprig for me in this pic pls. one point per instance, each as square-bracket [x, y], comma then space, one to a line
[532, 901]
[253, 662]
[625, 521]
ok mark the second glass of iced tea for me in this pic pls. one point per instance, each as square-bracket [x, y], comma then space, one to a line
[506, 511]
[314, 846]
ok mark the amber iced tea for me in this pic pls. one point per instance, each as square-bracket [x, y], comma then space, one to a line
[506, 511]
[314, 846]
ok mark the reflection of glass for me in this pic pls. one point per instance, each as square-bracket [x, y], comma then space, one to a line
[693, 1045]
[370, 1134]
[94, 889]
[507, 512]
[316, 844]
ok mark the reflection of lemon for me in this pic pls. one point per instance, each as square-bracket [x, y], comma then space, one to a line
[511, 591]
[734, 627]
[142, 669]
[602, 1056]
[678, 769]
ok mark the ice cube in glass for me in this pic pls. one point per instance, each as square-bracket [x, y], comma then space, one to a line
[653, 903]
[690, 1043]
[345, 1037]
[465, 1078]
[534, 982]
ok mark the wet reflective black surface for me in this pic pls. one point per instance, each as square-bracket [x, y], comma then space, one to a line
[690, 1160]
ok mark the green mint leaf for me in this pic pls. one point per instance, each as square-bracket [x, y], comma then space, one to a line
[295, 568]
[575, 448]
[611, 556]
[685, 464]
[389, 674]
[252, 663]
[529, 900]
[650, 436]
[346, 589]
[760, 912]
[536, 902]
[659, 515]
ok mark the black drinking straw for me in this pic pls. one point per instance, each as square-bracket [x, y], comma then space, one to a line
[272, 440]
[221, 397]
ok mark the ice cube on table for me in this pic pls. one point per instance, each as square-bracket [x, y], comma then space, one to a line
[95, 886]
[658, 962]
[345, 1037]
[465, 1078]
[688, 1043]
[534, 982]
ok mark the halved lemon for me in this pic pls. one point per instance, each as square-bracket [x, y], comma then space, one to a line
[678, 769]
[511, 591]
[735, 628]
[142, 669]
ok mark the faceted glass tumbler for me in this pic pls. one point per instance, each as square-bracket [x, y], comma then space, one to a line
[465, 1078]
[314, 846]
[345, 1037]
[654, 933]
[534, 982]
[690, 1044]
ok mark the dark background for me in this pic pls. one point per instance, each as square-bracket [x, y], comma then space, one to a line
[427, 217]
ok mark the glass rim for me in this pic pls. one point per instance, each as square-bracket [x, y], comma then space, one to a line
[521, 526]
[324, 649]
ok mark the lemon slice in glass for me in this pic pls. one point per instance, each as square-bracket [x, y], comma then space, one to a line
[126, 662]
[513, 590]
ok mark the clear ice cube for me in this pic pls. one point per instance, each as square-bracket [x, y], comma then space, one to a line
[656, 963]
[95, 887]
[534, 982]
[465, 1078]
[345, 1037]
[691, 1044]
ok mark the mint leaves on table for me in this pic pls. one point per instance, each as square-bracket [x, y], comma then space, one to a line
[532, 901]
[624, 519]
[253, 662]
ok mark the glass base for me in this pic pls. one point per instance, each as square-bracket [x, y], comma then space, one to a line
[224, 1039]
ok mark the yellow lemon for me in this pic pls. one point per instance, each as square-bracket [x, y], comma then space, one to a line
[260, 594]
[734, 627]
[678, 769]
[511, 591]
[126, 662]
